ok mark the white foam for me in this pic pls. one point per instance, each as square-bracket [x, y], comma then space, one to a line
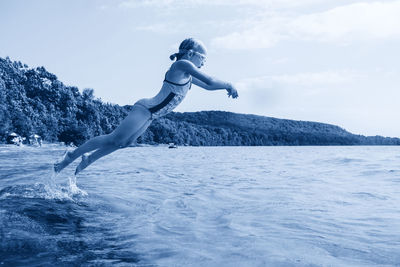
[74, 189]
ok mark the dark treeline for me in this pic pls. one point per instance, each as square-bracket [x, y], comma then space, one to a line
[34, 101]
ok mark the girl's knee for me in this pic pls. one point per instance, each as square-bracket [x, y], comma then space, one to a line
[110, 140]
[116, 141]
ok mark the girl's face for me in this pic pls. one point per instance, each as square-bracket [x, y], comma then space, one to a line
[198, 57]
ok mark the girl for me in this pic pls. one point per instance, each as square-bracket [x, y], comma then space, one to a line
[178, 80]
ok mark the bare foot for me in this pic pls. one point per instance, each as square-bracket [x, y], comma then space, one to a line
[84, 163]
[63, 163]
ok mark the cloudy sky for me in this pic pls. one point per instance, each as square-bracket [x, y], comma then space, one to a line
[331, 61]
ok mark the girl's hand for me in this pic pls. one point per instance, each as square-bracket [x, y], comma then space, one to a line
[232, 92]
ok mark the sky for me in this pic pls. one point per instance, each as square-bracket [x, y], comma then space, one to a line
[330, 61]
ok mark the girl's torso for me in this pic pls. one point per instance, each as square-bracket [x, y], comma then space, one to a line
[168, 98]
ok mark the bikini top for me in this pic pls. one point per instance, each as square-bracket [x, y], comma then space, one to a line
[178, 84]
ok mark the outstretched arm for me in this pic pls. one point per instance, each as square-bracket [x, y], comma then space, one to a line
[219, 85]
[205, 81]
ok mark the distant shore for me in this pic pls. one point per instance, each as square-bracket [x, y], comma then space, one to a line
[35, 102]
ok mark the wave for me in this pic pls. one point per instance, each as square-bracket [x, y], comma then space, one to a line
[344, 160]
[368, 195]
[40, 226]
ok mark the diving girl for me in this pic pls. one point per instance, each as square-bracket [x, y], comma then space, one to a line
[178, 81]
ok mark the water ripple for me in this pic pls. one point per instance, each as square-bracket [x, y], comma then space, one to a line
[202, 206]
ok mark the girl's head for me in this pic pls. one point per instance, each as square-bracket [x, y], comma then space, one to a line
[193, 50]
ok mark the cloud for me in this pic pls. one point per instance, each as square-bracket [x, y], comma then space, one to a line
[358, 21]
[238, 3]
[286, 91]
[144, 3]
[307, 79]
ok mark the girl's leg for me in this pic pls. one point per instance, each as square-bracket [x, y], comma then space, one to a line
[101, 152]
[90, 145]
[119, 137]
[141, 131]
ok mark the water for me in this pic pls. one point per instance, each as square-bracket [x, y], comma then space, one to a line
[202, 206]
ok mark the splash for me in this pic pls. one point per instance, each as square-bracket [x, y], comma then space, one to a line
[74, 189]
[37, 190]
[48, 189]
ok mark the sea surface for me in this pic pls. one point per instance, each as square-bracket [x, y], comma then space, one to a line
[202, 206]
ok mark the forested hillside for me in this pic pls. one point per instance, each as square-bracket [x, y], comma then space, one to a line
[34, 101]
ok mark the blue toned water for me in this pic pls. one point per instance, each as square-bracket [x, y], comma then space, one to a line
[202, 206]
